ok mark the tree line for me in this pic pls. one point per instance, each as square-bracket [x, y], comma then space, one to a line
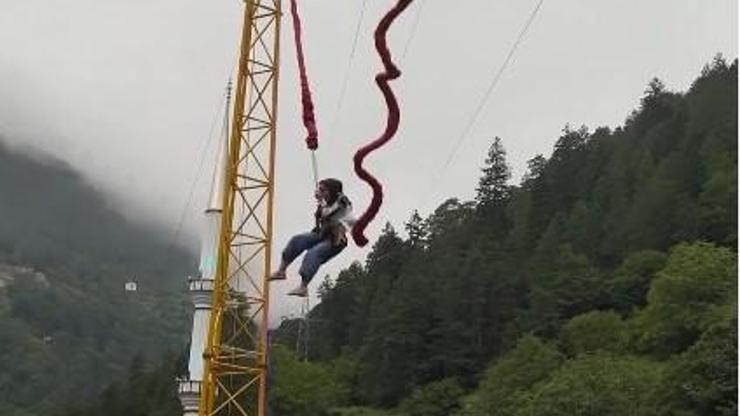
[603, 284]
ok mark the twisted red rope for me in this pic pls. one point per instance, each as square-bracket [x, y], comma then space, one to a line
[309, 121]
[394, 116]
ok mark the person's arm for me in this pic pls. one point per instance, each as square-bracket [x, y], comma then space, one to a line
[317, 219]
[348, 217]
[344, 213]
[341, 215]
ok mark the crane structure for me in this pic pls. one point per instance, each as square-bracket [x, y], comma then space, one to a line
[234, 350]
[229, 351]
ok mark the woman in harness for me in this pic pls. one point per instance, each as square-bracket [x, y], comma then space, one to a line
[328, 238]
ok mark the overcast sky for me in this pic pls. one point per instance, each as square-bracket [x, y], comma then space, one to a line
[127, 91]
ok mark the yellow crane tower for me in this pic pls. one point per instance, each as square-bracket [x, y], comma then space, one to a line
[235, 355]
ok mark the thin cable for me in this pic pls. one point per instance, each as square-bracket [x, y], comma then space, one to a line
[207, 144]
[489, 90]
[305, 310]
[414, 26]
[199, 172]
[345, 80]
[492, 85]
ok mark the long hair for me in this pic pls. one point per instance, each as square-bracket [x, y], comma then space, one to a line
[334, 186]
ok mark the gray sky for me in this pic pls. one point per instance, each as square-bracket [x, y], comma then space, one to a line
[127, 91]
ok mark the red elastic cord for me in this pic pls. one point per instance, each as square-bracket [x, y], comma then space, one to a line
[312, 135]
[391, 72]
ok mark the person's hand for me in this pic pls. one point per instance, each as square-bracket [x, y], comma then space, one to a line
[339, 235]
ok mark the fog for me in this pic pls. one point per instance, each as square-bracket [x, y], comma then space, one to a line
[129, 93]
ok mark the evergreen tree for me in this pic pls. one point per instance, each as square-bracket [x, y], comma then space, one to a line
[594, 252]
[417, 230]
[493, 185]
[535, 167]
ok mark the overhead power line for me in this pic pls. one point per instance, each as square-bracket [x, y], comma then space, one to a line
[350, 60]
[492, 85]
[487, 95]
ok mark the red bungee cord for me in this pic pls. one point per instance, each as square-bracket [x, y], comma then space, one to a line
[309, 121]
[391, 72]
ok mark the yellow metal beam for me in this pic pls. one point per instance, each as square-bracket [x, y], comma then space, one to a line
[235, 375]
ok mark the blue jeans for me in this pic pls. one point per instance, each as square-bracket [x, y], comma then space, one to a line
[318, 251]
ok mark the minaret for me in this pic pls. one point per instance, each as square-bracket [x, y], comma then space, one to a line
[201, 288]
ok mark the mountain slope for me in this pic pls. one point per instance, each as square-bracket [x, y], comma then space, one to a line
[68, 326]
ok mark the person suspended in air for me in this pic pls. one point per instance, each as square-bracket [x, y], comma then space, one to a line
[328, 238]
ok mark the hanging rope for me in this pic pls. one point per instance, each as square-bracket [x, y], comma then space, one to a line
[309, 121]
[391, 72]
[314, 168]
[312, 141]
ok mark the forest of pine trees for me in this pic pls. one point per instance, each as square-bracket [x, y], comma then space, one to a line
[605, 283]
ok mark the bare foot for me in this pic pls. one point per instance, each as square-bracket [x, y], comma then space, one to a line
[277, 275]
[301, 291]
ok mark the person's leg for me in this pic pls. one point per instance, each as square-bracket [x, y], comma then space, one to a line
[297, 245]
[314, 258]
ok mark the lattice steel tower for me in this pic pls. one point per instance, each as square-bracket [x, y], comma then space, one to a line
[235, 355]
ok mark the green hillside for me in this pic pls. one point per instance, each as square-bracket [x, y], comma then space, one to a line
[604, 284]
[68, 326]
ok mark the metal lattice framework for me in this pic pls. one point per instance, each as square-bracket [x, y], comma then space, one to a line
[235, 375]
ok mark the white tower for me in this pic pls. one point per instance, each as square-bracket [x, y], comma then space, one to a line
[201, 288]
